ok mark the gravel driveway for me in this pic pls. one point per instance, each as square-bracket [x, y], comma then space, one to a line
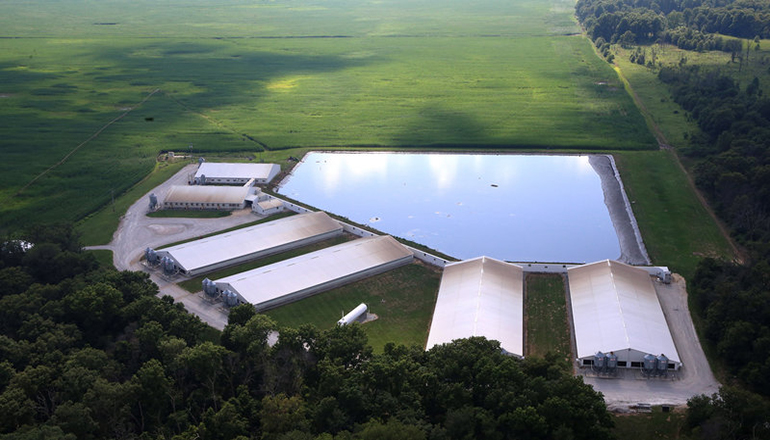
[137, 232]
[695, 377]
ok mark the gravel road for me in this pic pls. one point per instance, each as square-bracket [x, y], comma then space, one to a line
[137, 232]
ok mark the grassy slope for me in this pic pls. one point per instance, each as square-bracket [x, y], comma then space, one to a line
[676, 228]
[546, 312]
[403, 299]
[411, 73]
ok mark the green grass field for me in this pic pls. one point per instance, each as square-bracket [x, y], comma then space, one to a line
[403, 300]
[546, 316]
[676, 228]
[242, 76]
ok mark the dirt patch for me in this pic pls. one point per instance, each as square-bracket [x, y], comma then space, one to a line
[370, 317]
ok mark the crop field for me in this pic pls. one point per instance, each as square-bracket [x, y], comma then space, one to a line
[91, 92]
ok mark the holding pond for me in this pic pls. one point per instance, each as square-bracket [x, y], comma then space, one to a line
[511, 207]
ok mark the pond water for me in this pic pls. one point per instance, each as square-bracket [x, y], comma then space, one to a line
[533, 208]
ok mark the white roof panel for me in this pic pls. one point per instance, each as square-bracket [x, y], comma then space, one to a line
[206, 194]
[271, 203]
[264, 171]
[258, 238]
[480, 297]
[318, 268]
[615, 307]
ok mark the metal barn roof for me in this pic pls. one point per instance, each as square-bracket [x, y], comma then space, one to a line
[257, 239]
[614, 308]
[262, 171]
[480, 297]
[206, 194]
[270, 204]
[272, 285]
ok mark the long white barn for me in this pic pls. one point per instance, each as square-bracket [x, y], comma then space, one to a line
[480, 297]
[254, 242]
[225, 198]
[236, 173]
[615, 309]
[290, 280]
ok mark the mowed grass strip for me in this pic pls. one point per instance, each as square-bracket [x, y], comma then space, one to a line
[403, 300]
[195, 284]
[546, 316]
[677, 229]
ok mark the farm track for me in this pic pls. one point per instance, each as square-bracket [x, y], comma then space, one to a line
[740, 255]
[74, 150]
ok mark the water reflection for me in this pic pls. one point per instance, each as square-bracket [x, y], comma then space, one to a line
[511, 207]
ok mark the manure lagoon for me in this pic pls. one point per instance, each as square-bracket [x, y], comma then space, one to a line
[534, 208]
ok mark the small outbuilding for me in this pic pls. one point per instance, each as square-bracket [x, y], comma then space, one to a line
[291, 280]
[235, 173]
[268, 207]
[480, 297]
[616, 311]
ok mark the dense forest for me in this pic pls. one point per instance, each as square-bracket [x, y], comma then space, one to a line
[690, 24]
[91, 353]
[730, 156]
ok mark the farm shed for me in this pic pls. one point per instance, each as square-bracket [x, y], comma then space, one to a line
[254, 242]
[615, 309]
[267, 207]
[290, 280]
[235, 173]
[225, 198]
[480, 297]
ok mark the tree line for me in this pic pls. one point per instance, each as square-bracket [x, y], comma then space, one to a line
[92, 353]
[689, 24]
[731, 157]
